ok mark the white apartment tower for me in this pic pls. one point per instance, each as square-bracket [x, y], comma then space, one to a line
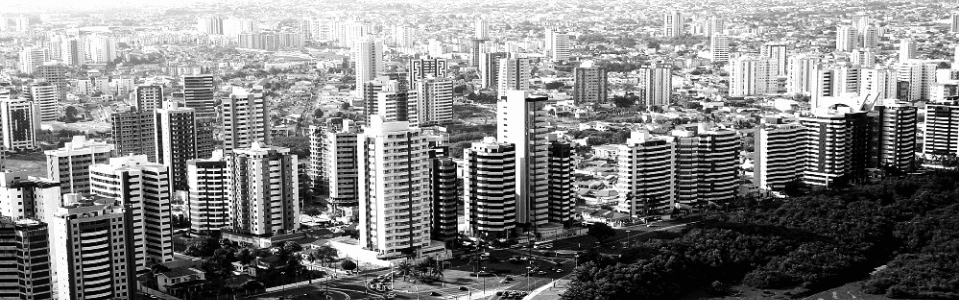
[707, 165]
[143, 188]
[92, 254]
[779, 148]
[31, 58]
[176, 142]
[208, 202]
[244, 119]
[647, 170]
[20, 122]
[521, 121]
[878, 82]
[514, 74]
[333, 162]
[431, 102]
[394, 188]
[46, 98]
[673, 24]
[894, 132]
[656, 82]
[489, 189]
[368, 55]
[263, 190]
[907, 50]
[778, 53]
[719, 47]
[70, 165]
[920, 75]
[847, 38]
[941, 136]
[802, 74]
[752, 75]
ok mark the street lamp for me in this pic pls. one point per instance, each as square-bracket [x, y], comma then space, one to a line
[576, 261]
[484, 280]
[528, 270]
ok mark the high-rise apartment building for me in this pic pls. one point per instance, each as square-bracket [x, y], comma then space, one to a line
[752, 75]
[245, 119]
[589, 84]
[31, 58]
[148, 98]
[778, 53]
[919, 76]
[210, 25]
[19, 123]
[394, 210]
[514, 74]
[719, 47]
[198, 93]
[560, 170]
[45, 97]
[70, 165]
[559, 46]
[802, 74]
[333, 162]
[646, 174]
[25, 264]
[481, 28]
[175, 135]
[208, 204]
[837, 143]
[862, 57]
[54, 73]
[707, 165]
[93, 255]
[443, 195]
[489, 68]
[489, 189]
[954, 22]
[907, 50]
[521, 121]
[847, 38]
[72, 52]
[714, 25]
[133, 133]
[778, 156]
[263, 190]
[869, 37]
[656, 82]
[941, 136]
[368, 55]
[878, 82]
[673, 24]
[894, 135]
[426, 68]
[143, 188]
[430, 102]
[24, 197]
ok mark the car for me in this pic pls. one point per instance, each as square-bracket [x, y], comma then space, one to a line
[434, 293]
[463, 288]
[508, 278]
[541, 273]
[499, 293]
[559, 270]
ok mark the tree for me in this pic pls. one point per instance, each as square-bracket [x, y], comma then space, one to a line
[555, 85]
[317, 113]
[625, 101]
[345, 106]
[348, 265]
[600, 231]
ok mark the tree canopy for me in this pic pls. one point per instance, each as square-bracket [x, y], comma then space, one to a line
[808, 243]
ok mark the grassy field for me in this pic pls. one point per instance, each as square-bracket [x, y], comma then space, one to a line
[35, 164]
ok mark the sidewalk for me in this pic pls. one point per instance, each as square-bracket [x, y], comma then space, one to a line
[549, 292]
